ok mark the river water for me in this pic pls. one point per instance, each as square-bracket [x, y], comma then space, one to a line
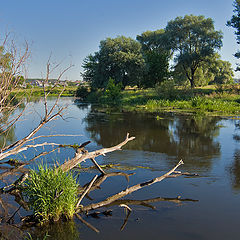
[209, 147]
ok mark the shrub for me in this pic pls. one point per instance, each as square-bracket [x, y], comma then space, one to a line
[51, 193]
[166, 89]
[82, 92]
[112, 95]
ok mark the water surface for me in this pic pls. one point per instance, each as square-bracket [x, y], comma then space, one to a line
[209, 146]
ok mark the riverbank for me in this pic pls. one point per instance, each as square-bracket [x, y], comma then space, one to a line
[38, 91]
[208, 100]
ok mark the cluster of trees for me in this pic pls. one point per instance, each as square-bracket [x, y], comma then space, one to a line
[189, 44]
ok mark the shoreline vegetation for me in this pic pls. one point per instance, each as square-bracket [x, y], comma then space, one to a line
[211, 100]
[33, 92]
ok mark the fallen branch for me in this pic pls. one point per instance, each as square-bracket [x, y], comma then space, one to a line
[146, 202]
[129, 190]
[82, 156]
[86, 191]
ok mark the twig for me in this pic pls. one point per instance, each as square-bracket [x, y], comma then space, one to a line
[86, 191]
[129, 210]
[97, 165]
[8, 221]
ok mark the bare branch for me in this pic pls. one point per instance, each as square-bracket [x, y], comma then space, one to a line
[80, 157]
[129, 190]
[86, 191]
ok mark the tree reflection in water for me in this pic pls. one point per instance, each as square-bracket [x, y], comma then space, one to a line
[234, 168]
[189, 138]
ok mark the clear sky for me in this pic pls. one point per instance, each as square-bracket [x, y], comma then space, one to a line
[72, 29]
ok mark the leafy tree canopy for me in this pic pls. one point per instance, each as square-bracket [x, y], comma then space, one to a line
[235, 23]
[118, 58]
[192, 39]
[156, 57]
[213, 70]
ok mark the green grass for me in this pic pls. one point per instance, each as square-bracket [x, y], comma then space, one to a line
[207, 100]
[51, 193]
[38, 92]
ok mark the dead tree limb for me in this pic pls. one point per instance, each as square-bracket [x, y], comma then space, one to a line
[176, 200]
[97, 166]
[82, 156]
[86, 191]
[129, 190]
[100, 179]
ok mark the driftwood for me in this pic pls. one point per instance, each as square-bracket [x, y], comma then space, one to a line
[84, 155]
[129, 190]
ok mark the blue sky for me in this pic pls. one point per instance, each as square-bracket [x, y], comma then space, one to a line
[72, 29]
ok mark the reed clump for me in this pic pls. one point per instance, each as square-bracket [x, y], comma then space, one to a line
[51, 193]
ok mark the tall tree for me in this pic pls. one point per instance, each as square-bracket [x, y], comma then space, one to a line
[118, 58]
[156, 57]
[192, 39]
[235, 23]
[213, 70]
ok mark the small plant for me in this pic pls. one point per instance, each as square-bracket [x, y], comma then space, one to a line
[51, 193]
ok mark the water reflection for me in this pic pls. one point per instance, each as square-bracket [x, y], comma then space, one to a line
[234, 170]
[7, 137]
[59, 230]
[189, 138]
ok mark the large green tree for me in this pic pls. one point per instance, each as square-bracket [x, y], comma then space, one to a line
[193, 39]
[118, 58]
[235, 23]
[213, 70]
[156, 57]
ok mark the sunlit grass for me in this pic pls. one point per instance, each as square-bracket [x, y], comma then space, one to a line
[51, 193]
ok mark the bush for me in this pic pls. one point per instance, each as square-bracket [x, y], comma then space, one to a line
[52, 193]
[166, 89]
[112, 94]
[82, 92]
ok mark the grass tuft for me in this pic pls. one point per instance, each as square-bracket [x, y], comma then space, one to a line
[51, 193]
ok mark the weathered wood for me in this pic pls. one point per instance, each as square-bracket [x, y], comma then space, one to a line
[129, 190]
[86, 191]
[82, 156]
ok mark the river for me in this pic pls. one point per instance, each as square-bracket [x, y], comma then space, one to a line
[209, 147]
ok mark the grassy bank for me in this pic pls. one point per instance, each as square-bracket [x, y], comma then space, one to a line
[38, 91]
[210, 100]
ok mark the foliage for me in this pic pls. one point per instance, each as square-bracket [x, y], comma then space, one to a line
[166, 89]
[192, 39]
[52, 193]
[5, 59]
[235, 23]
[196, 104]
[82, 92]
[118, 58]
[156, 57]
[112, 94]
[211, 71]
